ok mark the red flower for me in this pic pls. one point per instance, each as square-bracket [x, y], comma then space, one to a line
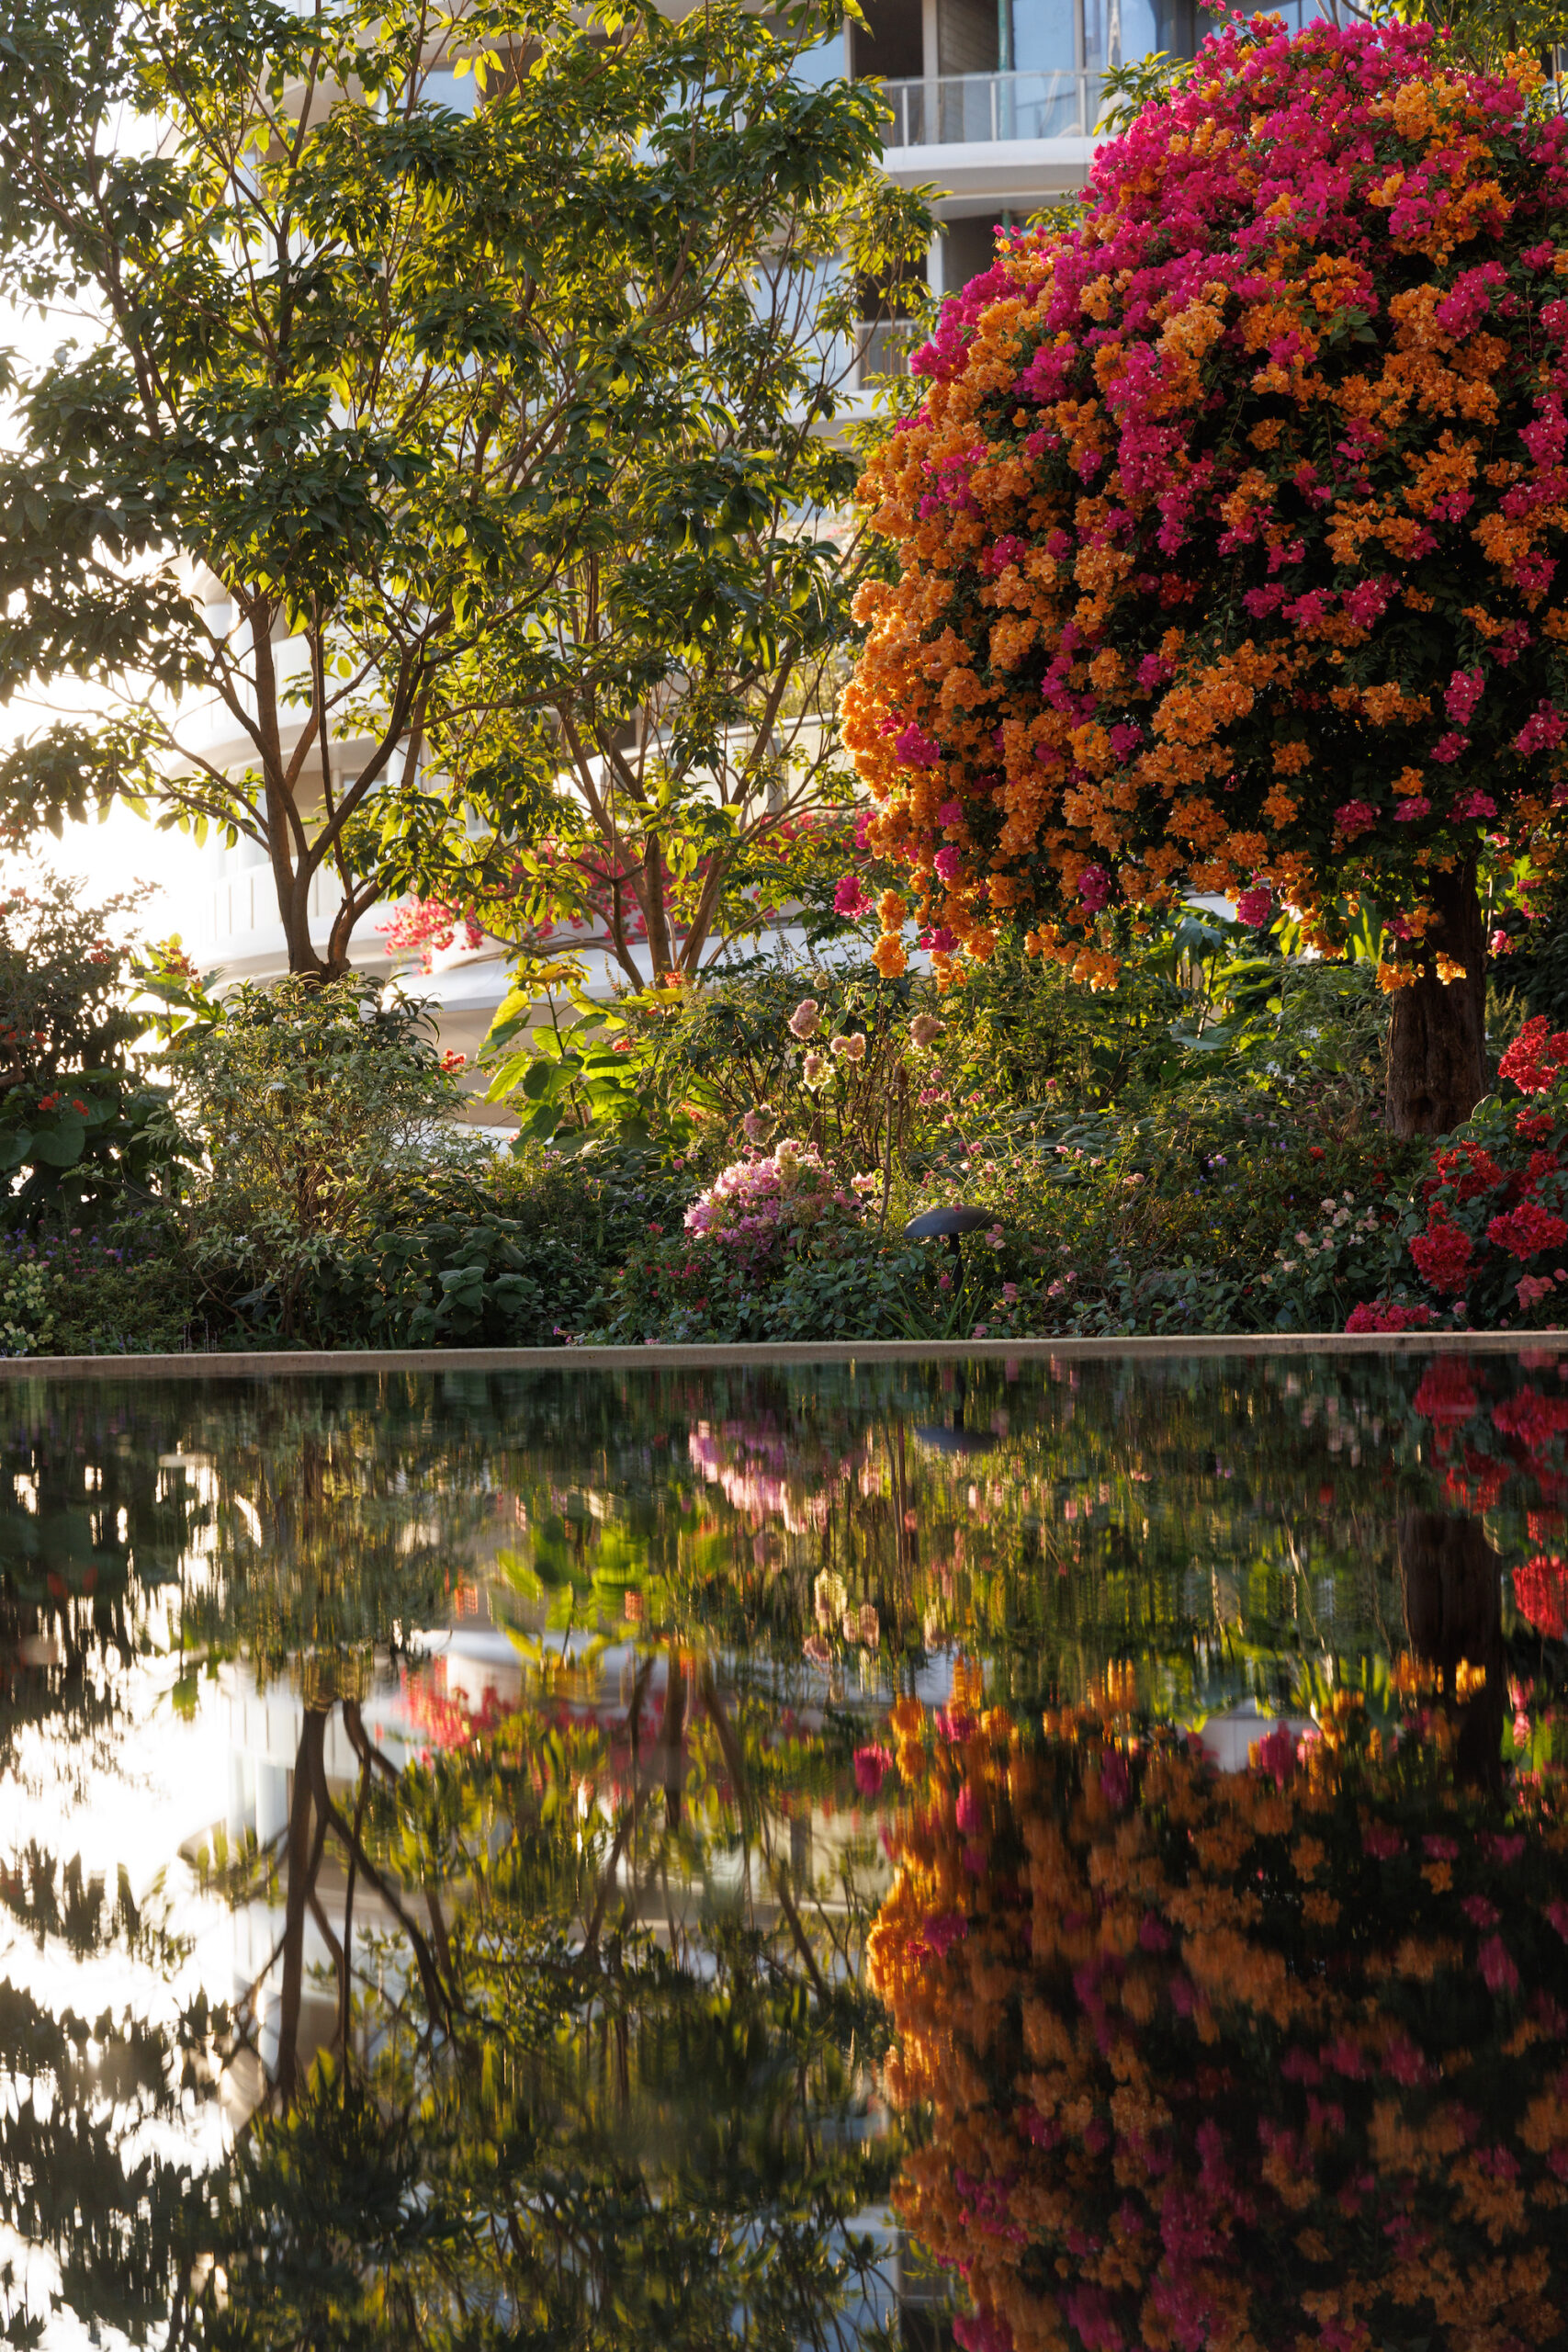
[1442, 1254]
[1536, 1055]
[1524, 1231]
[1540, 1595]
[1383, 1314]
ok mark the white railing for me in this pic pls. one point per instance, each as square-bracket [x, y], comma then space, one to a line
[967, 109]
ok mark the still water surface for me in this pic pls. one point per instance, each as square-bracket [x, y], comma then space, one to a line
[1031, 1856]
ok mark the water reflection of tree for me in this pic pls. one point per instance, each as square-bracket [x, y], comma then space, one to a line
[340, 1516]
[95, 2173]
[94, 1529]
[625, 2118]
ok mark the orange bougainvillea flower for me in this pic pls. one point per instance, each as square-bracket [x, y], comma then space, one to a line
[1230, 535]
[1270, 2059]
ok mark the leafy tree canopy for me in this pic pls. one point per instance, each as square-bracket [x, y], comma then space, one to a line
[368, 371]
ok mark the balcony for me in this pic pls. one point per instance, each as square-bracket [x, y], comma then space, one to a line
[885, 350]
[988, 110]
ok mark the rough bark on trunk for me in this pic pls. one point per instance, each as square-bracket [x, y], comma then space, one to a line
[1453, 1610]
[1436, 1047]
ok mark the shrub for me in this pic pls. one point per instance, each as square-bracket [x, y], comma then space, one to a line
[127, 1288]
[1183, 1217]
[326, 1113]
[80, 1127]
[837, 1282]
[1489, 1243]
[758, 1207]
[27, 1301]
[820, 1053]
[507, 1256]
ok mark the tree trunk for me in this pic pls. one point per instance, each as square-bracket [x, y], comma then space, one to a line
[660, 947]
[1437, 1046]
[1453, 1610]
[672, 1734]
[309, 1760]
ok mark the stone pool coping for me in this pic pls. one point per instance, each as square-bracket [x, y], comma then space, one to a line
[245, 1365]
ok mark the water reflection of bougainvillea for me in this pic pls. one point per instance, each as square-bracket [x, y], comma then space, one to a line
[1486, 1444]
[436, 1722]
[1277, 2058]
[1540, 1593]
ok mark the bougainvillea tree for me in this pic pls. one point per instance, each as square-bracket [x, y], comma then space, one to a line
[1229, 535]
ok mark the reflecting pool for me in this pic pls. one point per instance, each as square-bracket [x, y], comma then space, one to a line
[1049, 1855]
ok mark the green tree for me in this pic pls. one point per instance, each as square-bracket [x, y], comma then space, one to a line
[375, 394]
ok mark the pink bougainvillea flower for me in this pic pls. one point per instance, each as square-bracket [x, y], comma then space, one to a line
[1496, 1965]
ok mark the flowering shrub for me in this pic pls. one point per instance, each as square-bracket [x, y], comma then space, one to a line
[1287, 393]
[1494, 1248]
[1344, 1250]
[756, 1205]
[1279, 2057]
[81, 1125]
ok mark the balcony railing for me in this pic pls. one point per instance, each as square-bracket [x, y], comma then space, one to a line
[886, 348]
[963, 110]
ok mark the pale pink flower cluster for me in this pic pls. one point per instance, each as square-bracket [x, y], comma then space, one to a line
[753, 1205]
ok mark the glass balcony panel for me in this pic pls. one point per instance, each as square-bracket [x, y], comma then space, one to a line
[975, 109]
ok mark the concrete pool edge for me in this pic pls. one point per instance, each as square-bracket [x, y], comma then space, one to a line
[267, 1365]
